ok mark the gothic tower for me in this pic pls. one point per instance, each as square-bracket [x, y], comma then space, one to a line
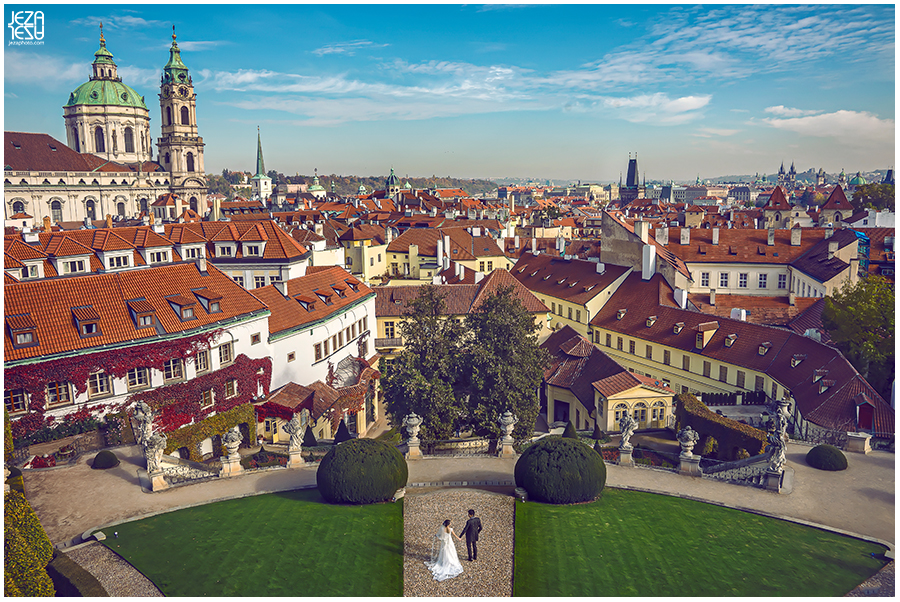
[260, 183]
[180, 147]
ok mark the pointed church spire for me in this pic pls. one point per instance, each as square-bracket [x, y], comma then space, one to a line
[260, 165]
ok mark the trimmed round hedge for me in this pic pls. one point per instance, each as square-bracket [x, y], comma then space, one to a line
[826, 457]
[559, 470]
[361, 471]
[105, 459]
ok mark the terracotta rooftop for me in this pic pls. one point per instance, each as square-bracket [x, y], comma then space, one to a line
[573, 280]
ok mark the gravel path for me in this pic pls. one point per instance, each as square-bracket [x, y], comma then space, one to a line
[119, 578]
[879, 585]
[491, 574]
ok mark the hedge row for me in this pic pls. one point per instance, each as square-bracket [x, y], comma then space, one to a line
[731, 435]
[560, 470]
[71, 580]
[193, 435]
[27, 550]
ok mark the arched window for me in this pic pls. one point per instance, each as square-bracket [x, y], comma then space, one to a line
[89, 210]
[193, 203]
[837, 217]
[98, 140]
[659, 411]
[56, 211]
[190, 161]
[143, 203]
[168, 115]
[621, 409]
[75, 139]
[18, 207]
[640, 412]
[185, 120]
[167, 161]
[129, 140]
[777, 217]
[120, 209]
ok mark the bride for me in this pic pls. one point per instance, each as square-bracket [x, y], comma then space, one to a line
[444, 563]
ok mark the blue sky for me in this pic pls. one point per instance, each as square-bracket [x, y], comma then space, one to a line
[546, 91]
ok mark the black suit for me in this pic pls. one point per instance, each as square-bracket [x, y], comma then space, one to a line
[471, 531]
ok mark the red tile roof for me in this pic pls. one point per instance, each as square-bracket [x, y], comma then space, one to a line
[50, 302]
[838, 200]
[574, 280]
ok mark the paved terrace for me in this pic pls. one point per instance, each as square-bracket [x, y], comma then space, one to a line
[70, 500]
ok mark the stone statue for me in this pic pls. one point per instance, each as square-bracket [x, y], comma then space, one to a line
[144, 416]
[294, 429]
[775, 437]
[627, 424]
[412, 422]
[688, 438]
[232, 441]
[507, 421]
[153, 451]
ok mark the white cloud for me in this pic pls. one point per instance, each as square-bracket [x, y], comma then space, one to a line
[783, 111]
[658, 108]
[23, 67]
[199, 45]
[138, 77]
[118, 22]
[849, 127]
[348, 48]
[719, 131]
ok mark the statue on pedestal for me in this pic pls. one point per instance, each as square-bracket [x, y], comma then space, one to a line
[627, 424]
[153, 451]
[411, 423]
[232, 441]
[688, 438]
[294, 429]
[507, 421]
[144, 416]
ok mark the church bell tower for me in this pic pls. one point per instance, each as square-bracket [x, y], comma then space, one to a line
[180, 146]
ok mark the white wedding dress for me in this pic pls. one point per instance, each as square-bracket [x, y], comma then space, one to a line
[444, 563]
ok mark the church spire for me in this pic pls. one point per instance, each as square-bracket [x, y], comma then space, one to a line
[260, 165]
[175, 70]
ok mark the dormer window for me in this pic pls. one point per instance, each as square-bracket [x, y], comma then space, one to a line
[730, 339]
[142, 313]
[251, 250]
[547, 277]
[22, 330]
[159, 256]
[764, 348]
[339, 289]
[824, 385]
[306, 302]
[224, 251]
[87, 320]
[75, 266]
[651, 321]
[572, 284]
[621, 314]
[588, 288]
[210, 301]
[183, 307]
[560, 281]
[354, 285]
[819, 375]
[679, 326]
[796, 359]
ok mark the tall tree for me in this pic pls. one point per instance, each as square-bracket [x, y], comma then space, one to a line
[860, 320]
[874, 196]
[502, 364]
[423, 376]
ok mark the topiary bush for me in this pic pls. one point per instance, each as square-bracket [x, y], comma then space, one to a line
[309, 440]
[361, 471]
[27, 549]
[343, 433]
[570, 432]
[558, 470]
[826, 457]
[70, 580]
[105, 459]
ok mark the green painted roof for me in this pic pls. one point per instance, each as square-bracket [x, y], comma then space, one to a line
[857, 180]
[175, 70]
[106, 92]
[392, 179]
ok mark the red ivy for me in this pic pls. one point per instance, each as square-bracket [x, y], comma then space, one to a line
[274, 410]
[34, 377]
[179, 404]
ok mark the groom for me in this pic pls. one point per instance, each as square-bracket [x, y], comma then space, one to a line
[471, 531]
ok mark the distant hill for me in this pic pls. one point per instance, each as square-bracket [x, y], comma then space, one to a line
[349, 185]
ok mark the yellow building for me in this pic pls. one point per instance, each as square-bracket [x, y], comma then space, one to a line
[585, 386]
[420, 253]
[365, 252]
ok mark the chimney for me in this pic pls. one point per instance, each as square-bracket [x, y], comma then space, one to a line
[715, 236]
[832, 249]
[201, 265]
[440, 248]
[534, 245]
[447, 245]
[517, 241]
[445, 263]
[662, 235]
[685, 236]
[712, 297]
[281, 287]
[47, 223]
[648, 262]
[87, 222]
[319, 228]
[388, 235]
[601, 267]
[771, 241]
[109, 221]
[795, 237]
[642, 229]
[792, 299]
[829, 231]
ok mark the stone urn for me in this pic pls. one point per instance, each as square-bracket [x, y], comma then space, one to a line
[412, 422]
[507, 422]
[688, 438]
[232, 441]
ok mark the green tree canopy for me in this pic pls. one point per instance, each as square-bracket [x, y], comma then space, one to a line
[860, 320]
[873, 196]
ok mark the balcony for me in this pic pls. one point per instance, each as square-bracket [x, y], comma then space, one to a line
[388, 343]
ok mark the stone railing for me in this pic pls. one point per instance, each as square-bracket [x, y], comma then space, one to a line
[749, 471]
[459, 447]
[177, 471]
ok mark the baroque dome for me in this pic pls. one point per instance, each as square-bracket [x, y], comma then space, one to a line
[106, 92]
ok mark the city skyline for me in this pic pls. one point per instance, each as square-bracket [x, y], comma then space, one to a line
[557, 92]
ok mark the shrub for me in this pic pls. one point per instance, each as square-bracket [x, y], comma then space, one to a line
[826, 457]
[105, 459]
[710, 447]
[343, 433]
[731, 435]
[27, 549]
[570, 432]
[70, 580]
[598, 433]
[309, 440]
[558, 470]
[742, 454]
[361, 471]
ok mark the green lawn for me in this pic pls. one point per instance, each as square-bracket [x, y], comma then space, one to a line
[279, 544]
[630, 543]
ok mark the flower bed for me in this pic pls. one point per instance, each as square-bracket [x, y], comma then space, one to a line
[264, 459]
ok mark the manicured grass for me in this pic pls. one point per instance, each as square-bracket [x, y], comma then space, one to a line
[279, 544]
[630, 543]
